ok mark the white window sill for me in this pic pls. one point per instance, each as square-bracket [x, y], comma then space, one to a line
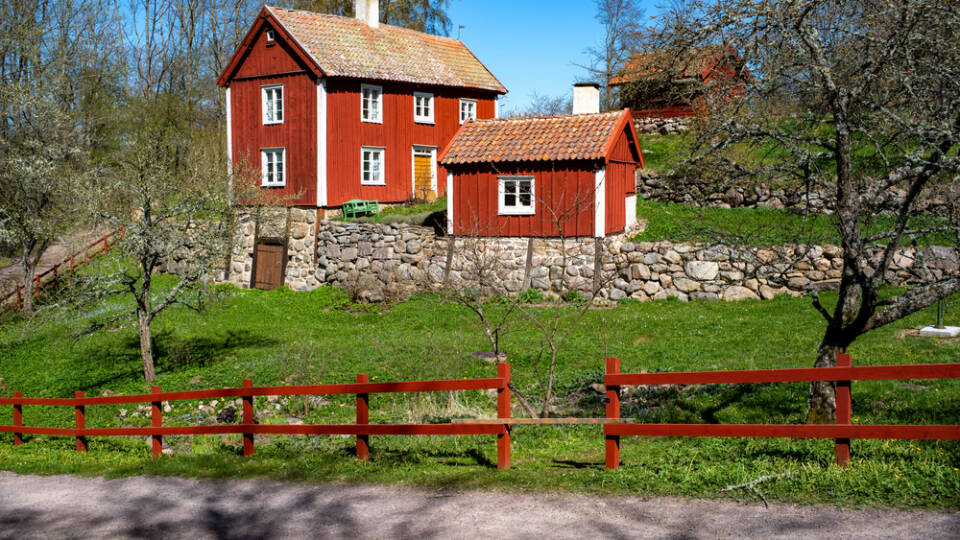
[424, 121]
[372, 184]
[524, 212]
[272, 123]
[273, 185]
[372, 121]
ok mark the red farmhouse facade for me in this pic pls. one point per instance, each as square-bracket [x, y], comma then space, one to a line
[330, 109]
[572, 175]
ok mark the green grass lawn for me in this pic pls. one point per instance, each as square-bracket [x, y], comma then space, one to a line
[280, 337]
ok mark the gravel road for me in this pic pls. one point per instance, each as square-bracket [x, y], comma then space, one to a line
[156, 507]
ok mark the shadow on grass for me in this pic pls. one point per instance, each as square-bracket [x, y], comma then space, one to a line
[123, 362]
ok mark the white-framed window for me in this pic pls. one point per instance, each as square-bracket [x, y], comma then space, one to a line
[423, 107]
[371, 103]
[468, 110]
[372, 166]
[273, 163]
[271, 35]
[272, 104]
[517, 197]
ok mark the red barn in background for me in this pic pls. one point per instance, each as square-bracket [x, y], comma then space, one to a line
[572, 175]
[682, 84]
[330, 109]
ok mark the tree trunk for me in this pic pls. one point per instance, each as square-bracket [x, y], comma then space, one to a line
[146, 345]
[29, 274]
[822, 406]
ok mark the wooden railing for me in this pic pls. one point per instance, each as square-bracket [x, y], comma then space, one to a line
[363, 429]
[842, 431]
[51, 276]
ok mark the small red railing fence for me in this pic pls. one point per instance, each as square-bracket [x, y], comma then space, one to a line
[613, 426]
[841, 432]
[363, 429]
[51, 276]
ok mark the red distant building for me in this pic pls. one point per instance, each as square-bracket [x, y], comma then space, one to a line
[674, 85]
[536, 176]
[331, 109]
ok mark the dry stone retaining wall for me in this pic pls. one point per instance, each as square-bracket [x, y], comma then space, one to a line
[381, 262]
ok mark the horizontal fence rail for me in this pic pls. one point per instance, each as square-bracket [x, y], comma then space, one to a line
[51, 276]
[363, 429]
[841, 432]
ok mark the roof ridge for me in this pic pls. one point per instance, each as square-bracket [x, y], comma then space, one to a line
[547, 116]
[358, 21]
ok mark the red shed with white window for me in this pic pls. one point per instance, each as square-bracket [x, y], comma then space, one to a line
[572, 175]
[331, 108]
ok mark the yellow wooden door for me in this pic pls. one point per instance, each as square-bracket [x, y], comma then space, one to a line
[423, 177]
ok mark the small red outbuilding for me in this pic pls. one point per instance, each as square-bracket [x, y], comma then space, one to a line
[572, 175]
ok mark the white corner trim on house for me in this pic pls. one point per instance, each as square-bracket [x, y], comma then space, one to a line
[450, 203]
[600, 204]
[321, 143]
[229, 146]
[631, 209]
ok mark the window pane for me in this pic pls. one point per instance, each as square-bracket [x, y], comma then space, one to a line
[509, 199]
[510, 186]
[525, 199]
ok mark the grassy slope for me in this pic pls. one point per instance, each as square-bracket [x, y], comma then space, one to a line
[281, 337]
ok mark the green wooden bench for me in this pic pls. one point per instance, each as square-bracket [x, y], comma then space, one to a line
[357, 206]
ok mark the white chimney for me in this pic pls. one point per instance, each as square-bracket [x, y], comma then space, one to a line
[586, 98]
[368, 11]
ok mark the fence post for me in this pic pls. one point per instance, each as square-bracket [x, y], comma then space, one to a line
[17, 418]
[503, 412]
[81, 423]
[248, 419]
[613, 412]
[363, 417]
[156, 420]
[844, 411]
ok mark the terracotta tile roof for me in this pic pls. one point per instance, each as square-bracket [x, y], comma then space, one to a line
[347, 47]
[695, 63]
[541, 138]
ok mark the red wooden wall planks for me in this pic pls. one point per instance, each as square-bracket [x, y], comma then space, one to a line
[567, 186]
[398, 134]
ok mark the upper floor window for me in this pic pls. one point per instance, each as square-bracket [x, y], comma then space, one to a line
[273, 163]
[272, 104]
[468, 110]
[271, 35]
[423, 107]
[372, 159]
[516, 195]
[371, 103]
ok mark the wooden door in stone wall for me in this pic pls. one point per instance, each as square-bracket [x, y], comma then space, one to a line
[269, 264]
[423, 174]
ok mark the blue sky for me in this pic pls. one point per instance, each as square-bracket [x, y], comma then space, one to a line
[531, 45]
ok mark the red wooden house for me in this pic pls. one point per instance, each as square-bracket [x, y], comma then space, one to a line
[667, 84]
[572, 175]
[332, 108]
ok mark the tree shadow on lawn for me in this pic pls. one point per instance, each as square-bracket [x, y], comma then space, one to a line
[123, 363]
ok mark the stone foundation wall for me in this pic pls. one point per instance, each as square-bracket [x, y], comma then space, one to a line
[297, 226]
[662, 126]
[654, 186]
[379, 262]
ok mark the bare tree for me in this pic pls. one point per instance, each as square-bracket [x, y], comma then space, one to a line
[544, 105]
[860, 99]
[423, 15]
[621, 21]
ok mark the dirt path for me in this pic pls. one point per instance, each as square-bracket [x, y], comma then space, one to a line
[11, 275]
[156, 507]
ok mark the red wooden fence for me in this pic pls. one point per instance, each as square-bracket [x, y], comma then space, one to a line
[842, 431]
[51, 276]
[247, 429]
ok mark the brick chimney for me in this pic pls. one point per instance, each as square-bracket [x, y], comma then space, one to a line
[368, 11]
[586, 98]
